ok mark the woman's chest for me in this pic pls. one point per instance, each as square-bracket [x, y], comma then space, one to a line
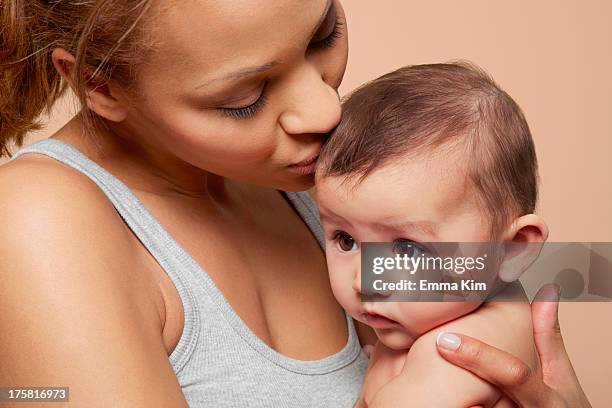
[269, 268]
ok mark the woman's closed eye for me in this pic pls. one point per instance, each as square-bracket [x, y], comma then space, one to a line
[247, 111]
[330, 40]
[330, 31]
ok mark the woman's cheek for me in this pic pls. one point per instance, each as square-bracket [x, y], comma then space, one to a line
[227, 140]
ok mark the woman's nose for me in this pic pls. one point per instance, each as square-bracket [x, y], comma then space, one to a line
[314, 106]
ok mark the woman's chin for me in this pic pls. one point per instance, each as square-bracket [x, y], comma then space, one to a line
[300, 183]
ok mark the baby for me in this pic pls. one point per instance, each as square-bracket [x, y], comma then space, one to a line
[426, 154]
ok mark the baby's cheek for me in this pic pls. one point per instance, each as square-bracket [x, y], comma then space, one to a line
[342, 290]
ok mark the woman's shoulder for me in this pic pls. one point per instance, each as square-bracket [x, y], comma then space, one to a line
[47, 206]
[71, 292]
[36, 184]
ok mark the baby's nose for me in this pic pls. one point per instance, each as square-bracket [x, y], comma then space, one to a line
[375, 291]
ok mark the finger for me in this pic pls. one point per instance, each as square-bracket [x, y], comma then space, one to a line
[545, 307]
[513, 377]
[554, 360]
[546, 329]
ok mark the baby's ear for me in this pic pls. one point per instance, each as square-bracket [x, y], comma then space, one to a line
[522, 244]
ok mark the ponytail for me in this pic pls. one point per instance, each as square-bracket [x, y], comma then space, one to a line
[29, 84]
[105, 36]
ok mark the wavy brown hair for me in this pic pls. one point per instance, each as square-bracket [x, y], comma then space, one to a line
[106, 37]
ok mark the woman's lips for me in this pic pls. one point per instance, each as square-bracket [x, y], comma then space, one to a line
[305, 166]
[380, 322]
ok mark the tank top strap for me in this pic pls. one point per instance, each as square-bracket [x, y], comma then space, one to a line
[305, 206]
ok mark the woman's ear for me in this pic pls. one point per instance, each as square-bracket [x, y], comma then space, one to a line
[522, 245]
[64, 62]
[101, 98]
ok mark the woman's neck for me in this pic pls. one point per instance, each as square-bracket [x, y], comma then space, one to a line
[143, 167]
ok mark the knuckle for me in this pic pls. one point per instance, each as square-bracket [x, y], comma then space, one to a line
[557, 329]
[519, 374]
[472, 352]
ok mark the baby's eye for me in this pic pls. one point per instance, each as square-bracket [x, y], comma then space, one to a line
[408, 248]
[345, 242]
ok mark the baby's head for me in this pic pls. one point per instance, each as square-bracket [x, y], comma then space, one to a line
[427, 153]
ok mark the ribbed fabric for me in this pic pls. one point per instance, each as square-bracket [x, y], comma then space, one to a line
[219, 361]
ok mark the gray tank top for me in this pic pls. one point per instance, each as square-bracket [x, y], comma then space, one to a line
[219, 361]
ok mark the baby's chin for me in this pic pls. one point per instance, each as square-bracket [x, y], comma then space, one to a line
[396, 339]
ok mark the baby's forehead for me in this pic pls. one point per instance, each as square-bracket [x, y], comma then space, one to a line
[429, 185]
[445, 167]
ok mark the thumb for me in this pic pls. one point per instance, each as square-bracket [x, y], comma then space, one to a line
[557, 370]
[545, 311]
[547, 333]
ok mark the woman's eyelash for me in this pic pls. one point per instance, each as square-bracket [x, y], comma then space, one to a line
[330, 40]
[246, 112]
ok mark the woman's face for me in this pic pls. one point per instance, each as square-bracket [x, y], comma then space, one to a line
[246, 89]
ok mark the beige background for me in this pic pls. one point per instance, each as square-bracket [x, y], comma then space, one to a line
[554, 58]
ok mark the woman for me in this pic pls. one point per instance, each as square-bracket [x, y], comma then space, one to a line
[204, 110]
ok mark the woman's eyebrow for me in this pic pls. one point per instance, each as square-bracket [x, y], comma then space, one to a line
[241, 73]
[248, 71]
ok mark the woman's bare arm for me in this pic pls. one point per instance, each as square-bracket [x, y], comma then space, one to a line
[76, 311]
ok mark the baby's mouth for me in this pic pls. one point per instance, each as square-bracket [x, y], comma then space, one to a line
[379, 321]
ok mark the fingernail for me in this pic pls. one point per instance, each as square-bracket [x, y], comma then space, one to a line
[448, 341]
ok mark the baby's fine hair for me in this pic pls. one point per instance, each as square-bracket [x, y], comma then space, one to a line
[419, 108]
